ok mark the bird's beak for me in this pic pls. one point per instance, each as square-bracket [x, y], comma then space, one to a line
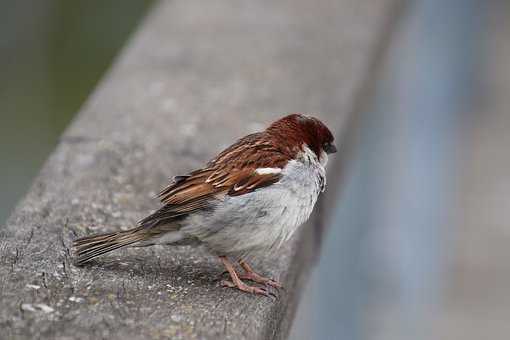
[330, 148]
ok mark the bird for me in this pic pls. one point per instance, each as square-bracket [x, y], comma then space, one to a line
[249, 199]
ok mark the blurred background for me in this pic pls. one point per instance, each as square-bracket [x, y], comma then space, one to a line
[52, 54]
[417, 246]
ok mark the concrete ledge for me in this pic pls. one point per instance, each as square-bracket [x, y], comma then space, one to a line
[197, 75]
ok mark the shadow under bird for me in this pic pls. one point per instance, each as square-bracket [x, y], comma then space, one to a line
[250, 198]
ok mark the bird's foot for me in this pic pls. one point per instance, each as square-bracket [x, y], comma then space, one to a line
[237, 283]
[250, 274]
[255, 277]
[248, 289]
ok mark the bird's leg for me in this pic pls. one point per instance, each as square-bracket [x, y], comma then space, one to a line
[255, 277]
[237, 283]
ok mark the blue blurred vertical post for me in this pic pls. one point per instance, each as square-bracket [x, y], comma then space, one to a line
[383, 256]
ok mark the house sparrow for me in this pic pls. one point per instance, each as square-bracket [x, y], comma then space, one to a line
[251, 197]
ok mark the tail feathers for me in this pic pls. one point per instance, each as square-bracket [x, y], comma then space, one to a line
[89, 247]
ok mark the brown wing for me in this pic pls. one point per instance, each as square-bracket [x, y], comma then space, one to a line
[232, 172]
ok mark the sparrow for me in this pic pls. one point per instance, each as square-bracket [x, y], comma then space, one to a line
[250, 198]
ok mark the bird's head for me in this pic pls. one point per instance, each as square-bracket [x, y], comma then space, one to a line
[298, 130]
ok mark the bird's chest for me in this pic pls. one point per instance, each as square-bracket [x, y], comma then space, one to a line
[271, 215]
[266, 217]
[295, 198]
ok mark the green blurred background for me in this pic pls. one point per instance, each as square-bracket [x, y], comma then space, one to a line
[52, 53]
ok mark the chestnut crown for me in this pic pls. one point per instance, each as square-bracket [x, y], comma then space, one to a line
[297, 129]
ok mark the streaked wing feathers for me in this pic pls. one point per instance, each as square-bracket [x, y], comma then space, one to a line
[232, 172]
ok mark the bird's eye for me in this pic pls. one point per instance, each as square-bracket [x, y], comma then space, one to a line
[329, 148]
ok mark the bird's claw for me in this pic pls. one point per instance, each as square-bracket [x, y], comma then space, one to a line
[250, 289]
[251, 276]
